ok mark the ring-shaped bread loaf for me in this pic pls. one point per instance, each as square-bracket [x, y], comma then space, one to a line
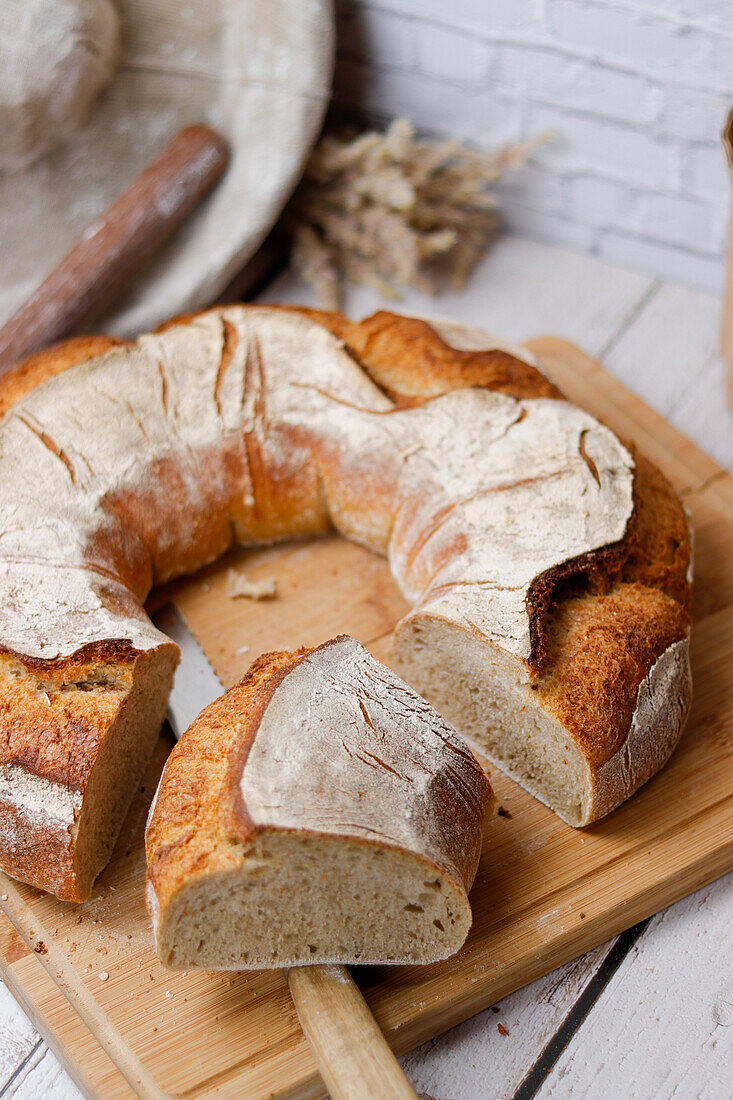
[545, 563]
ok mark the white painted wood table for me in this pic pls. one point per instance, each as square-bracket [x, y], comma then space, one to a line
[648, 1016]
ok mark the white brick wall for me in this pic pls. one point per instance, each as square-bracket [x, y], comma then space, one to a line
[635, 92]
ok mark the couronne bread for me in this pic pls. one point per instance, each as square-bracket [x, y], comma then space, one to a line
[546, 563]
[320, 811]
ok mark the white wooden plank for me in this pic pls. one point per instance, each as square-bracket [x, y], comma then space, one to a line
[661, 353]
[43, 1076]
[663, 1027]
[17, 1036]
[476, 1059]
[668, 355]
[519, 289]
[702, 412]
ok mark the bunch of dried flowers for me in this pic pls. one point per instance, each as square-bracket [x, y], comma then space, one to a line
[392, 210]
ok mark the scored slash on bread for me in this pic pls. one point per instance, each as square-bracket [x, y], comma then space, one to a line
[319, 811]
[546, 563]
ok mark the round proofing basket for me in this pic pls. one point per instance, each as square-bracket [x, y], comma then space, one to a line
[259, 71]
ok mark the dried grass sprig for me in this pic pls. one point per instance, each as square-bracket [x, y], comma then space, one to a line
[391, 210]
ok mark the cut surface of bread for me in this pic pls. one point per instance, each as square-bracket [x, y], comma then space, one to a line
[609, 701]
[504, 511]
[551, 734]
[320, 811]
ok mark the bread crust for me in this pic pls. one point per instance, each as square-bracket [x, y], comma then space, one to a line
[601, 649]
[253, 424]
[411, 362]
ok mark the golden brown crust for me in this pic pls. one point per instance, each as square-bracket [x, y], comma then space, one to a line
[52, 718]
[655, 552]
[600, 648]
[600, 641]
[185, 833]
[411, 362]
[659, 551]
[595, 569]
[40, 856]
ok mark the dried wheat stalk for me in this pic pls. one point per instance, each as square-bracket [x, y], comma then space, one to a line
[391, 210]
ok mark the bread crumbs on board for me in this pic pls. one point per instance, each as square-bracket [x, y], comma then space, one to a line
[239, 586]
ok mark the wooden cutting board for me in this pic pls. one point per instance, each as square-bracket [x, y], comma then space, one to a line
[544, 892]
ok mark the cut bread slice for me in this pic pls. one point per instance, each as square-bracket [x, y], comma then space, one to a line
[579, 743]
[320, 811]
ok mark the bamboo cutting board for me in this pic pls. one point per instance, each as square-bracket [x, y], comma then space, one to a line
[544, 893]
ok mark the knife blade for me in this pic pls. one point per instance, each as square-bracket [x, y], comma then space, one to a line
[195, 684]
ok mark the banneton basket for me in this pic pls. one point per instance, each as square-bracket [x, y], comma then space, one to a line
[259, 71]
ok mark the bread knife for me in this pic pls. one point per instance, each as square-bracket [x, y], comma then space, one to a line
[351, 1052]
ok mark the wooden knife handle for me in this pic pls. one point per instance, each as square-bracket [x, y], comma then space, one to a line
[351, 1052]
[89, 277]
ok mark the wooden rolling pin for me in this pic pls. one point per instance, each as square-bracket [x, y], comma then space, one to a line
[86, 281]
[351, 1053]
